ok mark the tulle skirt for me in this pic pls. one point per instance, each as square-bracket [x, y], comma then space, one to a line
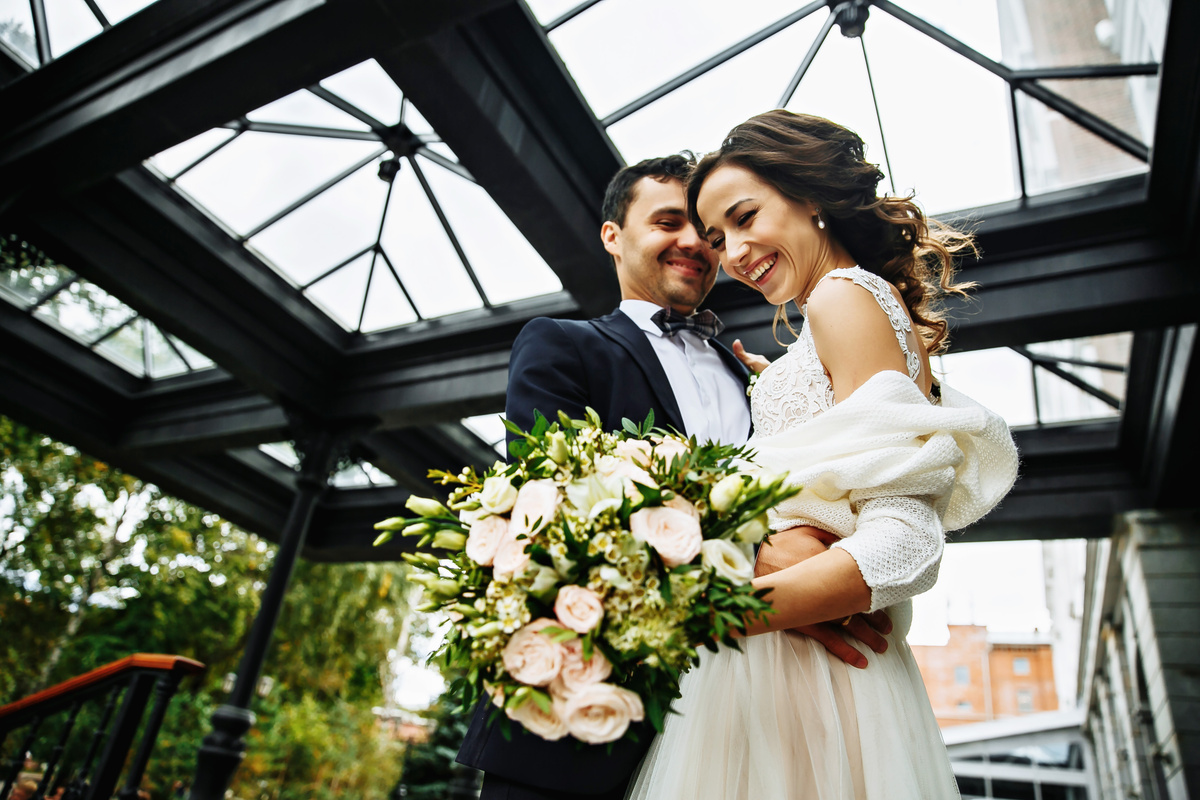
[782, 719]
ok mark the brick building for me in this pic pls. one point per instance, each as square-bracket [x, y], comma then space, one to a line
[977, 676]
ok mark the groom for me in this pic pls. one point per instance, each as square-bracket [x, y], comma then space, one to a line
[652, 354]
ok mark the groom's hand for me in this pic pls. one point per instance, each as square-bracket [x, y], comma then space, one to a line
[753, 361]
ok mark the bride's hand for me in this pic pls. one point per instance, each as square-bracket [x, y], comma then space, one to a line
[753, 361]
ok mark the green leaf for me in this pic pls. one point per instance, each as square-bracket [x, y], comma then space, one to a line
[542, 700]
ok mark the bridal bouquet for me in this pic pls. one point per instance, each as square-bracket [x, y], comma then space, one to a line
[581, 578]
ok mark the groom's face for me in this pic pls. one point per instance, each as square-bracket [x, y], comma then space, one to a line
[659, 256]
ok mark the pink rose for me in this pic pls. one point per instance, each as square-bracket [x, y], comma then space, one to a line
[576, 673]
[547, 725]
[578, 608]
[601, 712]
[484, 539]
[537, 502]
[629, 473]
[680, 504]
[635, 450]
[669, 448]
[672, 533]
[531, 657]
[512, 555]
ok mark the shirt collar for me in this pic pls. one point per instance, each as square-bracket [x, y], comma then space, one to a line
[640, 312]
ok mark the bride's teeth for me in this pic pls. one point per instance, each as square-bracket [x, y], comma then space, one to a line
[758, 273]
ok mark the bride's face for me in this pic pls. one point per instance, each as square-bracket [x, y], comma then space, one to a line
[762, 238]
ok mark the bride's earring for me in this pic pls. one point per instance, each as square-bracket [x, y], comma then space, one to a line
[820, 221]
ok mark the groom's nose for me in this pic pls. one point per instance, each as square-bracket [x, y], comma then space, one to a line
[689, 240]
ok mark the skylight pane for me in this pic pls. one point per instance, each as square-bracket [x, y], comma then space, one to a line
[16, 28]
[698, 115]
[351, 476]
[1130, 104]
[548, 10]
[1061, 401]
[305, 108]
[257, 175]
[416, 242]
[489, 428]
[117, 10]
[368, 87]
[328, 229]
[658, 39]
[1048, 34]
[378, 477]
[954, 162]
[173, 161]
[24, 285]
[195, 359]
[84, 310]
[341, 294]
[998, 378]
[506, 264]
[283, 452]
[387, 306]
[71, 23]
[125, 348]
[164, 362]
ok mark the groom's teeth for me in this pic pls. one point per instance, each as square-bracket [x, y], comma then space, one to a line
[762, 268]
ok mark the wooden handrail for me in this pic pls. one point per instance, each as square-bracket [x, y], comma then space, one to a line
[150, 661]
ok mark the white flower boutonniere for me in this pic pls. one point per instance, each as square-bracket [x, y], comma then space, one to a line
[751, 379]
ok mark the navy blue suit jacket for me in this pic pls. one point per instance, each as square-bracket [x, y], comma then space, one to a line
[569, 365]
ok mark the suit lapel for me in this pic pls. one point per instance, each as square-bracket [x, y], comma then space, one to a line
[737, 368]
[622, 330]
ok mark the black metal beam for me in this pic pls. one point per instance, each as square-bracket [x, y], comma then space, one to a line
[1175, 160]
[500, 98]
[229, 418]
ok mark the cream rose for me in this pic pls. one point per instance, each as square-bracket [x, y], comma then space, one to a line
[669, 448]
[635, 450]
[627, 472]
[726, 492]
[531, 657]
[537, 503]
[578, 608]
[484, 538]
[673, 534]
[680, 504]
[512, 555]
[498, 495]
[727, 560]
[601, 712]
[576, 673]
[547, 725]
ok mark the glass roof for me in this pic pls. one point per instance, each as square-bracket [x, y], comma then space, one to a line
[68, 24]
[346, 190]
[489, 428]
[353, 475]
[960, 126]
[91, 316]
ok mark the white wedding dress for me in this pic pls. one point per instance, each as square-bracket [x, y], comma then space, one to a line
[888, 471]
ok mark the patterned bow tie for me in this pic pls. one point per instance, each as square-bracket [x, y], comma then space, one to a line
[705, 324]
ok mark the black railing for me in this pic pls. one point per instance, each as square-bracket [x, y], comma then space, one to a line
[85, 764]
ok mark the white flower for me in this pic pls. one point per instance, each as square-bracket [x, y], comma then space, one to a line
[611, 576]
[547, 725]
[498, 494]
[673, 534]
[556, 447]
[536, 504]
[627, 472]
[726, 492]
[635, 450]
[601, 712]
[484, 539]
[578, 608]
[585, 493]
[531, 657]
[543, 578]
[424, 506]
[611, 504]
[727, 560]
[576, 673]
[753, 531]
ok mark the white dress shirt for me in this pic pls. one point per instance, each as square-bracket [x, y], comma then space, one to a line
[712, 401]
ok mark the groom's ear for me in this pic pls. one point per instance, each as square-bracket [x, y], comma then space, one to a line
[610, 234]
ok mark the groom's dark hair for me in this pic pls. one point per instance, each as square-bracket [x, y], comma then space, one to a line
[621, 192]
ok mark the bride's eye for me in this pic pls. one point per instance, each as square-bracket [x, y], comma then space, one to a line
[744, 218]
[717, 243]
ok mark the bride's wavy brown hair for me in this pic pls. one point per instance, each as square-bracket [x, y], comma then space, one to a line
[808, 158]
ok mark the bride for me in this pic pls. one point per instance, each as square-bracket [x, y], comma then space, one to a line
[888, 459]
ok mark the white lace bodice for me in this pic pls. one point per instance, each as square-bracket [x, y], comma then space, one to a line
[796, 388]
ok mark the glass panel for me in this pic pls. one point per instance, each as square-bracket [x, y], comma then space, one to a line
[195, 359]
[378, 477]
[490, 428]
[547, 10]
[117, 10]
[506, 264]
[415, 121]
[442, 149]
[1113, 348]
[341, 294]
[125, 347]
[368, 87]
[1046, 34]
[416, 242]
[953, 164]
[1058, 153]
[171, 162]
[647, 57]
[71, 23]
[261, 173]
[328, 229]
[84, 310]
[21, 282]
[387, 306]
[283, 452]
[973, 22]
[350, 477]
[1127, 103]
[999, 379]
[1060, 401]
[697, 116]
[305, 108]
[16, 28]
[163, 360]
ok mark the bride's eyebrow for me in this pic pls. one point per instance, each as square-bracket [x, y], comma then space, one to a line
[728, 213]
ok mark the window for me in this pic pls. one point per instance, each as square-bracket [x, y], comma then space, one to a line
[962, 676]
[1020, 666]
[1024, 700]
[963, 705]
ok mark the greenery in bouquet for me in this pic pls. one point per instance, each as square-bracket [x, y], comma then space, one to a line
[580, 579]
